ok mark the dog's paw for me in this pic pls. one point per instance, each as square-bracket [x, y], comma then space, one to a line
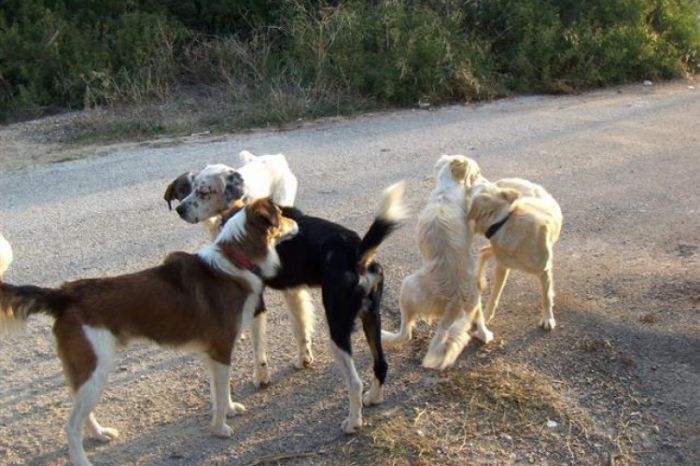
[304, 359]
[235, 408]
[375, 394]
[261, 376]
[548, 323]
[392, 339]
[486, 336]
[432, 361]
[351, 424]
[106, 434]
[222, 431]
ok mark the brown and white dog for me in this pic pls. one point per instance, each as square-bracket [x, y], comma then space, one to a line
[207, 195]
[522, 221]
[190, 301]
[445, 286]
[5, 255]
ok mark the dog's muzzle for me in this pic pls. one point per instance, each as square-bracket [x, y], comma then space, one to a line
[183, 212]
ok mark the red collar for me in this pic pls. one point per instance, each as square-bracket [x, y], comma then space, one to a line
[237, 258]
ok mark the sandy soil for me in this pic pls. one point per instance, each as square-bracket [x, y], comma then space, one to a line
[623, 164]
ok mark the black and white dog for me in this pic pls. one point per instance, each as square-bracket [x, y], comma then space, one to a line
[327, 255]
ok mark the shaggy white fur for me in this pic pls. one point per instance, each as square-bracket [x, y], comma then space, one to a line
[445, 286]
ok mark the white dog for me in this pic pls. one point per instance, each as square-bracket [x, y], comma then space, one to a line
[445, 285]
[207, 195]
[522, 221]
[5, 255]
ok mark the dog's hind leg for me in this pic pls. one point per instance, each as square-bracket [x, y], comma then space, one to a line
[261, 374]
[86, 342]
[477, 316]
[371, 324]
[301, 311]
[451, 336]
[343, 358]
[410, 303]
[221, 396]
[485, 254]
[499, 281]
[547, 285]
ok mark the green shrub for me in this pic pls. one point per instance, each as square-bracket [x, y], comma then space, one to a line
[295, 58]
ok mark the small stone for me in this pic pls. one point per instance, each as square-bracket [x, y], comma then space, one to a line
[647, 82]
[552, 424]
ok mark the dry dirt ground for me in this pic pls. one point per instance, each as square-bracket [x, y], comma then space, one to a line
[615, 383]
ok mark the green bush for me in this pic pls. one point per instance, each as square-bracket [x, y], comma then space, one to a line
[312, 57]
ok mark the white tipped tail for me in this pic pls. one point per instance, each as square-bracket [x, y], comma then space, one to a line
[392, 208]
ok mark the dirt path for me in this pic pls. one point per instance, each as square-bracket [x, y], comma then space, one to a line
[619, 376]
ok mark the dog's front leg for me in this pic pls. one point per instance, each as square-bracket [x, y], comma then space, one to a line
[261, 374]
[547, 285]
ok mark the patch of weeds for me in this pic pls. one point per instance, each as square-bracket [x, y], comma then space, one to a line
[649, 318]
[499, 411]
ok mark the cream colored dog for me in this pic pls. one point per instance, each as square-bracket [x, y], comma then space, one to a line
[5, 255]
[445, 286]
[522, 221]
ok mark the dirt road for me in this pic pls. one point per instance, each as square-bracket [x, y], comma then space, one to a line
[619, 376]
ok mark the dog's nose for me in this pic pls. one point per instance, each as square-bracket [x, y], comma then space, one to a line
[181, 210]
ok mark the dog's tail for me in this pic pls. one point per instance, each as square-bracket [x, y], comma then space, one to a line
[17, 303]
[391, 213]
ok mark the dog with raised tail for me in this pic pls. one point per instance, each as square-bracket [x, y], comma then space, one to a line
[327, 255]
[5, 255]
[444, 288]
[197, 302]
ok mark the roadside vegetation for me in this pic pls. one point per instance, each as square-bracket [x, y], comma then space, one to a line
[145, 67]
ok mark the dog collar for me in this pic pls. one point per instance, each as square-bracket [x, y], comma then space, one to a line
[497, 226]
[239, 259]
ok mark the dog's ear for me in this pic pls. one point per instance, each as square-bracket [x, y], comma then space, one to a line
[441, 162]
[265, 213]
[180, 188]
[475, 208]
[510, 195]
[235, 187]
[473, 173]
[458, 168]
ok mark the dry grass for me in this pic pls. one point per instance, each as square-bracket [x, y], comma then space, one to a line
[515, 398]
[496, 412]
[649, 318]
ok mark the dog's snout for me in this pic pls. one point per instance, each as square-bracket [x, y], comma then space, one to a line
[181, 210]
